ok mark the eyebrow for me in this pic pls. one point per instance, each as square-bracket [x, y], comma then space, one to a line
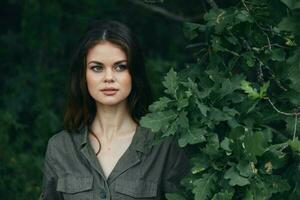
[100, 63]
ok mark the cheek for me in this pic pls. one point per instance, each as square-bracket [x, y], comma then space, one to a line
[91, 82]
[128, 82]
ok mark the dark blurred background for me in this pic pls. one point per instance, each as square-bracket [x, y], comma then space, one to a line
[37, 39]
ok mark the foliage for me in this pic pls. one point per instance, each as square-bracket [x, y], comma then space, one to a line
[235, 108]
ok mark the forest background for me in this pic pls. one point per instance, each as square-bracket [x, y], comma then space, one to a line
[225, 76]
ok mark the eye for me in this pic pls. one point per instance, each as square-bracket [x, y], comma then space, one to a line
[120, 67]
[97, 68]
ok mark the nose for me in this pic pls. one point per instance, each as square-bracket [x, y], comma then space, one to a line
[109, 75]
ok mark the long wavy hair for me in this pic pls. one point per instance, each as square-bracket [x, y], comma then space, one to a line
[81, 107]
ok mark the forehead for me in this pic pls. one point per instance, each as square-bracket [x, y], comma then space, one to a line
[106, 52]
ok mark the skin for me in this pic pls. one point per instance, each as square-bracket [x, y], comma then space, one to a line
[107, 68]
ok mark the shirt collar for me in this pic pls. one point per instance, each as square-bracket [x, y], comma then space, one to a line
[141, 141]
[83, 136]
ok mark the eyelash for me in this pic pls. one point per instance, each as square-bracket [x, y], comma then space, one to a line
[96, 68]
[122, 67]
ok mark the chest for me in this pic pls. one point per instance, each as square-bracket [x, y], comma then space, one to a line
[111, 153]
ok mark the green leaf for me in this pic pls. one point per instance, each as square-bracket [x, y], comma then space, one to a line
[234, 177]
[236, 135]
[183, 121]
[212, 146]
[295, 145]
[218, 115]
[253, 106]
[182, 103]
[215, 75]
[294, 71]
[290, 125]
[244, 16]
[171, 83]
[294, 60]
[174, 196]
[263, 89]
[268, 185]
[278, 55]
[192, 89]
[155, 121]
[214, 16]
[229, 86]
[244, 168]
[249, 195]
[249, 58]
[225, 144]
[202, 107]
[192, 137]
[205, 186]
[288, 24]
[230, 111]
[190, 29]
[225, 195]
[160, 105]
[217, 44]
[277, 184]
[200, 163]
[233, 40]
[252, 92]
[276, 157]
[170, 129]
[292, 4]
[255, 144]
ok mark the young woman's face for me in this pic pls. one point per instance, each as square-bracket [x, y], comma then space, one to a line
[107, 74]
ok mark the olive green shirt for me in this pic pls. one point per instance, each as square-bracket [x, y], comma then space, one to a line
[147, 170]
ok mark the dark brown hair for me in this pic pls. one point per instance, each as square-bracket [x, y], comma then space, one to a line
[81, 108]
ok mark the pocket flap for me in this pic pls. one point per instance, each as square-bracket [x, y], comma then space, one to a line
[74, 184]
[136, 188]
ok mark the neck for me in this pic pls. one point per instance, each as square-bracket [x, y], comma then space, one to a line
[113, 122]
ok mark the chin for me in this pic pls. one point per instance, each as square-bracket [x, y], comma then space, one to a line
[111, 103]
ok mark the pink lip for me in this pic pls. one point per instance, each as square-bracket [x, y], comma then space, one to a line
[109, 91]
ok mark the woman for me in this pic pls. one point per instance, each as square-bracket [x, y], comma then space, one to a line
[103, 153]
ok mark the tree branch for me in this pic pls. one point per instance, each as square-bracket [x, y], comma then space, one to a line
[283, 113]
[161, 11]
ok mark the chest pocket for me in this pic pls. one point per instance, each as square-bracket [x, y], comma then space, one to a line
[135, 189]
[75, 187]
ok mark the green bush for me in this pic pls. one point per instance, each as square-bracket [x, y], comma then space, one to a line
[235, 108]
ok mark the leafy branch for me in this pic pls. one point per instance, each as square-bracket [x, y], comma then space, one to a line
[235, 153]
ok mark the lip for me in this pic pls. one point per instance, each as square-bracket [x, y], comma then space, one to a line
[109, 91]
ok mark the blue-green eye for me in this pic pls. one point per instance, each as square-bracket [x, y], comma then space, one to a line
[120, 67]
[97, 68]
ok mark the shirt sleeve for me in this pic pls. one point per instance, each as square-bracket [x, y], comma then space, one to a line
[177, 167]
[49, 179]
